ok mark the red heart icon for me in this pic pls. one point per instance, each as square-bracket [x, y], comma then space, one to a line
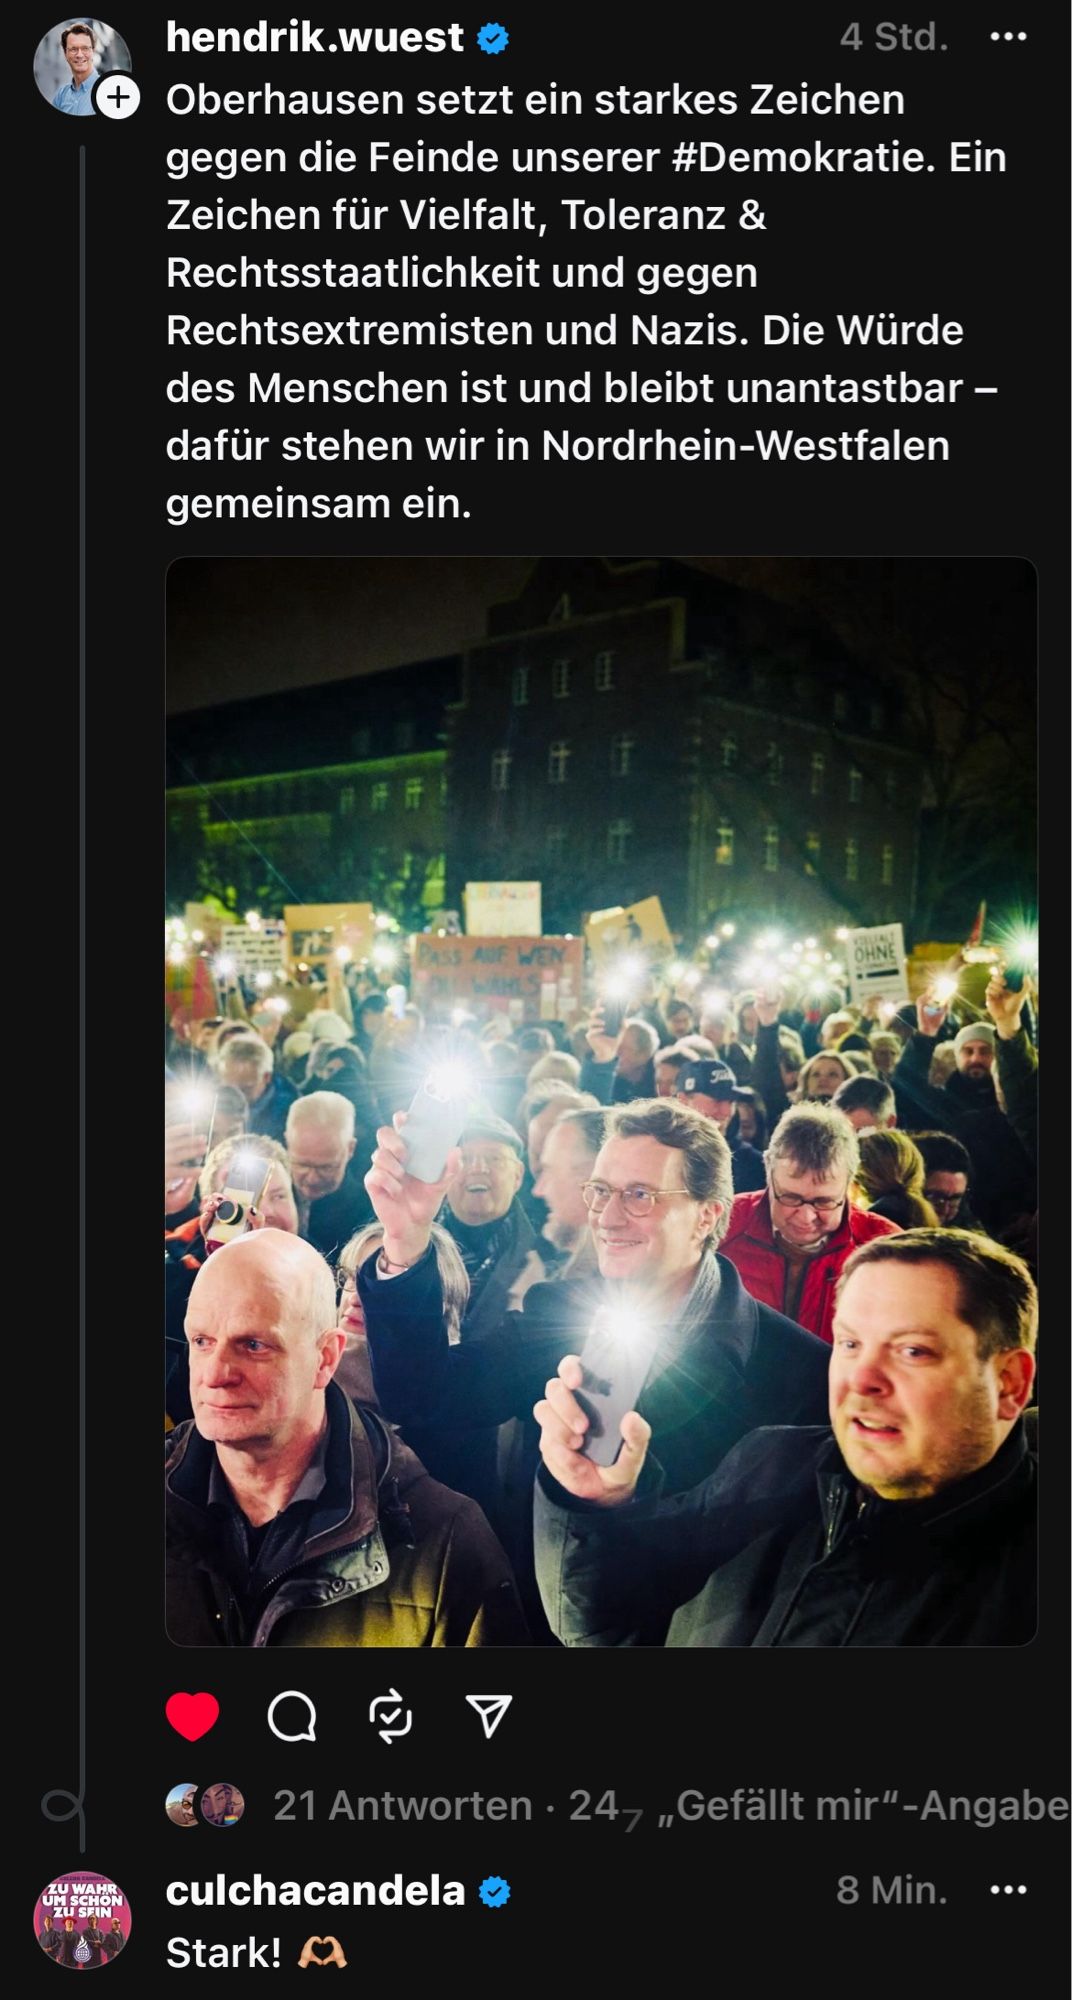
[192, 1715]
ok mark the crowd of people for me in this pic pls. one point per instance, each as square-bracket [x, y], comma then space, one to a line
[815, 1225]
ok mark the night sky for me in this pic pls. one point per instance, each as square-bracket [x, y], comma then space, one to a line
[243, 627]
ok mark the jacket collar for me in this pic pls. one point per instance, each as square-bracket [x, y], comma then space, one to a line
[964, 1504]
[359, 1456]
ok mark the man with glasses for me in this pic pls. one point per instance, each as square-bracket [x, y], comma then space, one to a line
[658, 1199]
[947, 1178]
[790, 1242]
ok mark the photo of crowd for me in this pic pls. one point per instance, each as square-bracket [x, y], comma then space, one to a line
[662, 1272]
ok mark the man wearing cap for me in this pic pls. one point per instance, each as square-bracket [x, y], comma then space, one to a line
[489, 1225]
[1004, 1184]
[711, 1087]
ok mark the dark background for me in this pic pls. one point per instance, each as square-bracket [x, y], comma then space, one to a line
[756, 1902]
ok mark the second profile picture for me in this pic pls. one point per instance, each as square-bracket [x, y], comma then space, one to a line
[71, 59]
[189, 1804]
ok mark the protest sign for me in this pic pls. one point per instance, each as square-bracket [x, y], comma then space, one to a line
[530, 978]
[876, 963]
[503, 909]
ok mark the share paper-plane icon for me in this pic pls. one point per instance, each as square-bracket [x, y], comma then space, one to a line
[491, 1708]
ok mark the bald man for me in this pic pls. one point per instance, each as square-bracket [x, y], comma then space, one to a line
[295, 1517]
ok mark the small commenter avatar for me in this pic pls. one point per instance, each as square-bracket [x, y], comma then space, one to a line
[494, 1892]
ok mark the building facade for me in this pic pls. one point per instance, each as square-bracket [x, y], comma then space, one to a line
[625, 729]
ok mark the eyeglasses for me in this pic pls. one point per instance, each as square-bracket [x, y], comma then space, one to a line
[826, 1206]
[636, 1201]
[951, 1201]
[344, 1277]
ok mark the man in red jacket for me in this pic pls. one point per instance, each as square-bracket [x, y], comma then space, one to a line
[789, 1242]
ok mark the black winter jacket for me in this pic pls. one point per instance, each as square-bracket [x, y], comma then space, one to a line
[779, 1549]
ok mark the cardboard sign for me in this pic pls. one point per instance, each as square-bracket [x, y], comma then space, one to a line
[641, 926]
[316, 930]
[876, 963]
[503, 909]
[529, 979]
[263, 950]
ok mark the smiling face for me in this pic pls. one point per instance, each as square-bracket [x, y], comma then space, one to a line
[662, 1247]
[490, 1175]
[79, 52]
[912, 1405]
[826, 1076]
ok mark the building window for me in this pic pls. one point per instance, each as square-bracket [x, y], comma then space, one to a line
[887, 866]
[813, 848]
[520, 687]
[856, 785]
[818, 774]
[770, 850]
[560, 679]
[555, 844]
[557, 761]
[359, 742]
[729, 753]
[562, 610]
[604, 672]
[774, 764]
[414, 793]
[891, 787]
[621, 755]
[852, 860]
[379, 796]
[617, 838]
[724, 850]
[346, 801]
[841, 707]
[501, 761]
[404, 735]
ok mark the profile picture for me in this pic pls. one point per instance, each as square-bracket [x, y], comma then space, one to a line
[82, 1920]
[71, 59]
[222, 1805]
[180, 1805]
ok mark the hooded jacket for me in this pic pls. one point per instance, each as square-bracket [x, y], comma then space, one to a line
[405, 1563]
[781, 1547]
[750, 1245]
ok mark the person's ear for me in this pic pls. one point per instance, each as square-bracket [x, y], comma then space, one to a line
[707, 1221]
[331, 1345]
[350, 1149]
[1016, 1372]
[519, 1171]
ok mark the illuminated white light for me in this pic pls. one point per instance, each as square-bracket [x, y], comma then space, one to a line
[262, 980]
[277, 1004]
[1025, 950]
[176, 954]
[887, 1009]
[224, 967]
[713, 941]
[447, 1081]
[343, 954]
[457, 1015]
[384, 954]
[675, 970]
[810, 944]
[715, 1001]
[194, 1102]
[253, 919]
[692, 977]
[775, 939]
[198, 937]
[382, 921]
[728, 930]
[944, 988]
[625, 1328]
[841, 933]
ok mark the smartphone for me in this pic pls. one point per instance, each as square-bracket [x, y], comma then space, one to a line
[396, 1001]
[613, 1016]
[1014, 978]
[616, 1367]
[434, 1123]
[251, 1177]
